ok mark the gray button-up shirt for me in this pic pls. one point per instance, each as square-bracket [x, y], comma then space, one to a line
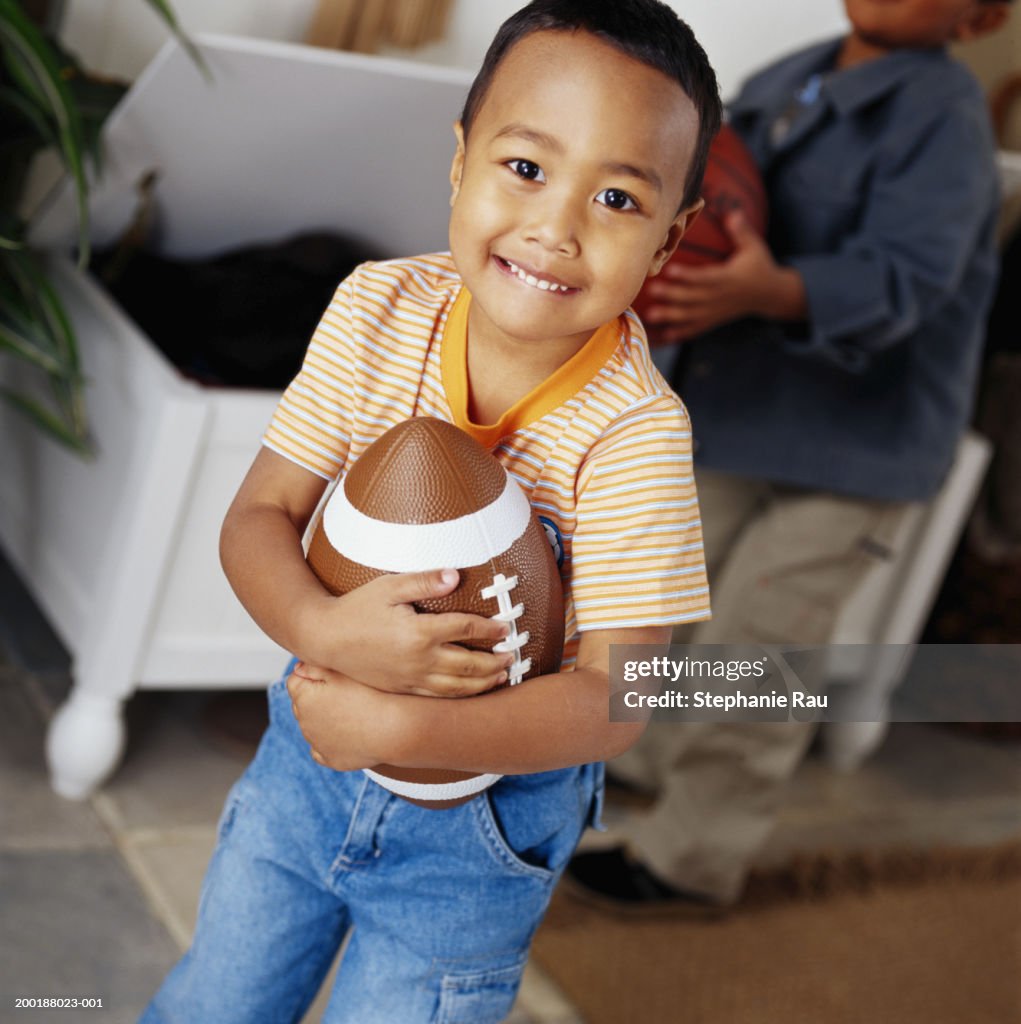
[883, 194]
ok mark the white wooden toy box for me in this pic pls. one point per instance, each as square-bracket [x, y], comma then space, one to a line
[121, 552]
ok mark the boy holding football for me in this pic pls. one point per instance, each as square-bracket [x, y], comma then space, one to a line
[578, 163]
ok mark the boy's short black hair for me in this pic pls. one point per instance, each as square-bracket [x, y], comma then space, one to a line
[646, 30]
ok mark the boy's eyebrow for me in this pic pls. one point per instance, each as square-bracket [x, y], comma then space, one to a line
[648, 175]
[522, 131]
[551, 142]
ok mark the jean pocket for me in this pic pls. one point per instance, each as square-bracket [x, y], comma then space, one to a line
[229, 814]
[595, 814]
[496, 842]
[276, 695]
[481, 995]
[224, 827]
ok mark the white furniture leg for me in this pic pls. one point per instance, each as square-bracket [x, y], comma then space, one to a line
[86, 737]
[847, 744]
[874, 640]
[84, 743]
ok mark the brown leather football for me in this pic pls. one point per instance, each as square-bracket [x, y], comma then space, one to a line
[426, 496]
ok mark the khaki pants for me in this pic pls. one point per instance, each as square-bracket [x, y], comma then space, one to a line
[782, 562]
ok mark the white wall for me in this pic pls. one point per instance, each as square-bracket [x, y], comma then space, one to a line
[741, 36]
[738, 35]
[120, 36]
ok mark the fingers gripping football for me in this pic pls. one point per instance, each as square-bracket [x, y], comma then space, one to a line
[424, 652]
[436, 642]
[409, 587]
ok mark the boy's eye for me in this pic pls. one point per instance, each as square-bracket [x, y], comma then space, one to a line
[527, 170]
[616, 199]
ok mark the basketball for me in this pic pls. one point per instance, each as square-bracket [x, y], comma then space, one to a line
[732, 182]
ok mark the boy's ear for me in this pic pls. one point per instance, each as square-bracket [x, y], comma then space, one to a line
[674, 234]
[983, 20]
[457, 165]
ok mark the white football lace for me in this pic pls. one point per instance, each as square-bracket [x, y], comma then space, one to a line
[500, 589]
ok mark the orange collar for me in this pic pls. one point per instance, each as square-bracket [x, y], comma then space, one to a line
[565, 382]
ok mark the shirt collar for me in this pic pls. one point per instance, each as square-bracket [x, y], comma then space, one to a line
[857, 87]
[847, 90]
[561, 385]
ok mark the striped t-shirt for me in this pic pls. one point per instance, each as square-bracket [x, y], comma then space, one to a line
[602, 447]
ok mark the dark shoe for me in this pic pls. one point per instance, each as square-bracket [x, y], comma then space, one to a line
[625, 793]
[614, 880]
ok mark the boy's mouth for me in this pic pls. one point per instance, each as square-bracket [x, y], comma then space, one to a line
[542, 282]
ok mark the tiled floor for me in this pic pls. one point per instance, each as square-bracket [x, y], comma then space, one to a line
[99, 898]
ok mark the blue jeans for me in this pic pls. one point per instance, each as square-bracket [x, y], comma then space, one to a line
[443, 904]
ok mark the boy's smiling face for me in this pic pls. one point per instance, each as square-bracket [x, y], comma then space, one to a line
[567, 193]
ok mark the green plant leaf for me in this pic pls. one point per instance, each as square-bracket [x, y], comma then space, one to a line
[16, 340]
[48, 421]
[30, 112]
[34, 66]
[94, 96]
[166, 12]
[47, 100]
[37, 296]
[35, 327]
[95, 99]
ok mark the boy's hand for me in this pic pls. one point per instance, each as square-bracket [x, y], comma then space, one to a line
[392, 647]
[691, 300]
[341, 719]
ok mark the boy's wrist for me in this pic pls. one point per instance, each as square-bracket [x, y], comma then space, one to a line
[406, 717]
[321, 632]
[784, 298]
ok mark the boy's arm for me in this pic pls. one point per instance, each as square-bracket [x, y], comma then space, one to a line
[544, 723]
[906, 256]
[261, 552]
[691, 300]
[376, 637]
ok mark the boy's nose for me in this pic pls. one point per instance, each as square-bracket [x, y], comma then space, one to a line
[556, 225]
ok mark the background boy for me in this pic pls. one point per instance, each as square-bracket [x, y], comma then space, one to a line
[817, 422]
[578, 166]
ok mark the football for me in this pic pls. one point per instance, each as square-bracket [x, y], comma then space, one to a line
[423, 496]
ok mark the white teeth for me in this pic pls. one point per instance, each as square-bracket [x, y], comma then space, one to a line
[536, 282]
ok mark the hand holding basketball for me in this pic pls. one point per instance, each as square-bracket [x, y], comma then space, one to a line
[687, 300]
[728, 233]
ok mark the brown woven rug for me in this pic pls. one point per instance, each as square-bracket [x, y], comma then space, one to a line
[911, 938]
